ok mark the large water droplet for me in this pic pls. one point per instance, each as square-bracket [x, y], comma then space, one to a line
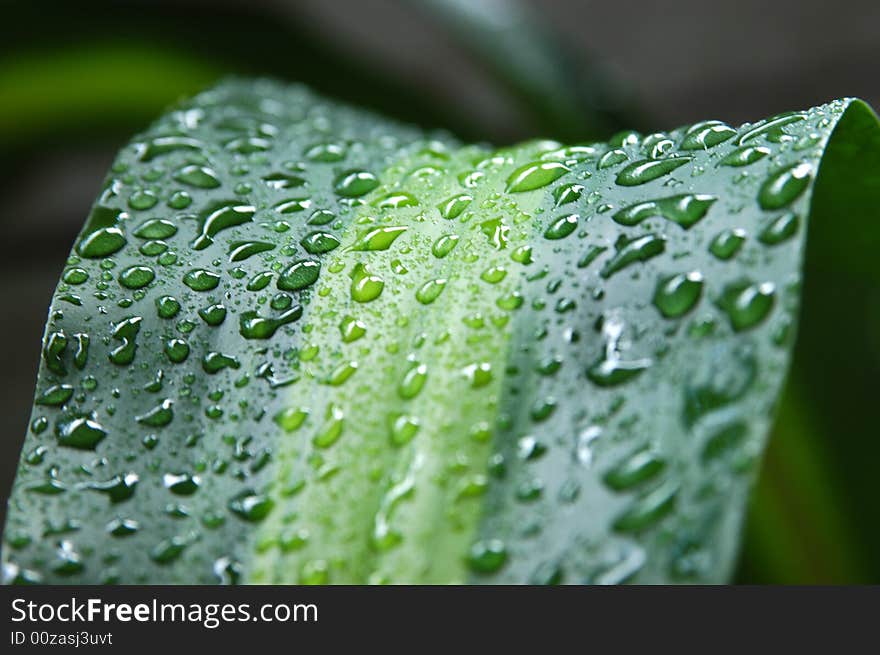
[685, 210]
[678, 294]
[535, 175]
[353, 184]
[102, 242]
[647, 170]
[747, 303]
[379, 238]
[784, 186]
[639, 249]
[83, 433]
[299, 275]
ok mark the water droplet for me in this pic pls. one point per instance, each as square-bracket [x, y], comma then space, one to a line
[163, 145]
[177, 350]
[352, 329]
[745, 156]
[648, 509]
[321, 217]
[83, 433]
[326, 152]
[747, 304]
[214, 362]
[397, 200]
[784, 186]
[444, 245]
[218, 217]
[479, 374]
[181, 484]
[142, 199]
[120, 527]
[353, 184]
[179, 200]
[281, 181]
[771, 128]
[365, 286]
[153, 248]
[612, 158]
[291, 418]
[724, 439]
[493, 274]
[254, 326]
[315, 572]
[200, 279]
[562, 227]
[413, 381]
[727, 243]
[639, 249]
[251, 506]
[584, 446]
[119, 488]
[168, 550]
[567, 193]
[213, 315]
[68, 561]
[159, 416]
[318, 243]
[201, 177]
[241, 250]
[293, 206]
[454, 206]
[487, 556]
[510, 301]
[705, 135]
[125, 331]
[647, 170]
[136, 277]
[403, 428]
[341, 373]
[102, 242]
[522, 255]
[379, 238]
[56, 344]
[299, 275]
[332, 429]
[640, 466]
[259, 281]
[57, 394]
[535, 175]
[780, 229]
[685, 210]
[430, 291]
[496, 231]
[678, 294]
[75, 275]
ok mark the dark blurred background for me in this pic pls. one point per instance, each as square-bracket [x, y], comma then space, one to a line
[78, 79]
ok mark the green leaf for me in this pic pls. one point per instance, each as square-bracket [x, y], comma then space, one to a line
[567, 94]
[547, 364]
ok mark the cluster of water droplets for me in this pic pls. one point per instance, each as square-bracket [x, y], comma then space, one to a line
[396, 359]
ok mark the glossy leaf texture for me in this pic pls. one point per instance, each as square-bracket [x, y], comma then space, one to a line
[296, 342]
